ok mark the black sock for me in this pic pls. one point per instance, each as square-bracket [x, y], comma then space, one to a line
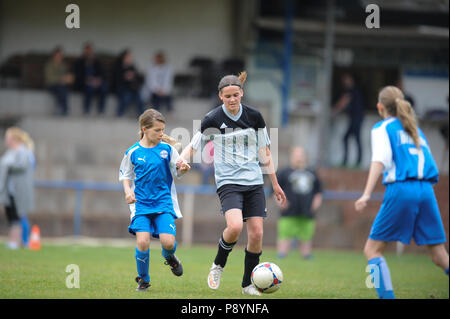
[251, 260]
[223, 251]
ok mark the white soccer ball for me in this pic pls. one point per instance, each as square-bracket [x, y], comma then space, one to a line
[267, 277]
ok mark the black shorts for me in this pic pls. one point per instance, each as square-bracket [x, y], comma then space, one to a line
[11, 212]
[251, 200]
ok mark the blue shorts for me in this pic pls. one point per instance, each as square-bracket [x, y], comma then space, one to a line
[409, 210]
[155, 224]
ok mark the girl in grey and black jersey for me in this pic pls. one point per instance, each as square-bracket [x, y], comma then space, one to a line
[241, 146]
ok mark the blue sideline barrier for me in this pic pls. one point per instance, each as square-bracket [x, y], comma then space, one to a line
[79, 187]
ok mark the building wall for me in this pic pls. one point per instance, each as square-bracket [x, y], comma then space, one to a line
[182, 29]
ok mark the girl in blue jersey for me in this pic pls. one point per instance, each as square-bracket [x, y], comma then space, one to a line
[401, 153]
[146, 174]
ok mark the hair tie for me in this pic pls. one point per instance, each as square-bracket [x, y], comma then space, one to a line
[230, 84]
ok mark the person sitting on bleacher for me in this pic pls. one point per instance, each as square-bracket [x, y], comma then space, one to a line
[158, 83]
[58, 79]
[127, 83]
[90, 79]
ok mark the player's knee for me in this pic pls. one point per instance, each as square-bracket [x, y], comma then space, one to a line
[255, 235]
[234, 228]
[368, 252]
[438, 254]
[168, 243]
[371, 252]
[143, 244]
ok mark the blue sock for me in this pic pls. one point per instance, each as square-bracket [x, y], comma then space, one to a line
[142, 263]
[446, 271]
[25, 230]
[166, 253]
[383, 283]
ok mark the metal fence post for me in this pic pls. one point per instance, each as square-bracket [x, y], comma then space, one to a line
[188, 218]
[77, 211]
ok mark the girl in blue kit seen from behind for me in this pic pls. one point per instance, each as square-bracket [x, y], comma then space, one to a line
[401, 153]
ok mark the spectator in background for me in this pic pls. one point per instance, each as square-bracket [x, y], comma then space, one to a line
[58, 79]
[90, 79]
[127, 83]
[303, 191]
[352, 102]
[159, 83]
[16, 184]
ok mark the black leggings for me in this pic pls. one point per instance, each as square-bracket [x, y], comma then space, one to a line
[353, 129]
[11, 212]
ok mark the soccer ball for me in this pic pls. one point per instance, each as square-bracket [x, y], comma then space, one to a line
[267, 277]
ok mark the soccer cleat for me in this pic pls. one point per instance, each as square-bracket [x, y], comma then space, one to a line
[142, 285]
[214, 276]
[175, 265]
[250, 290]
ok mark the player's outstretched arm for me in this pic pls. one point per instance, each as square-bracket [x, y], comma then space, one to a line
[182, 166]
[187, 153]
[376, 168]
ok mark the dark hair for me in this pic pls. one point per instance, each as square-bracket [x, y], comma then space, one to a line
[233, 80]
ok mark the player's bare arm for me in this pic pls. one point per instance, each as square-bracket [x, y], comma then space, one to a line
[265, 158]
[376, 168]
[129, 194]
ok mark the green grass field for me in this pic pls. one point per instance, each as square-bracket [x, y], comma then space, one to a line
[109, 272]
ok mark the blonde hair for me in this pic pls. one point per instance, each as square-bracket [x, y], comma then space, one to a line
[392, 99]
[230, 80]
[22, 136]
[147, 120]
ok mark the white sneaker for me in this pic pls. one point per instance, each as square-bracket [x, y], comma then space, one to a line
[250, 290]
[214, 276]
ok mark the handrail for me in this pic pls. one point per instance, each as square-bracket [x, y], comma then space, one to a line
[80, 186]
[184, 188]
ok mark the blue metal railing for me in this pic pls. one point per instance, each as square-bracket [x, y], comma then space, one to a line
[79, 187]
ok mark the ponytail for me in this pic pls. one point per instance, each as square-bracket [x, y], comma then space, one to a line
[407, 116]
[170, 140]
[242, 77]
[393, 100]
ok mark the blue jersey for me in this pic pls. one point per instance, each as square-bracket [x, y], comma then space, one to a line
[150, 169]
[402, 160]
